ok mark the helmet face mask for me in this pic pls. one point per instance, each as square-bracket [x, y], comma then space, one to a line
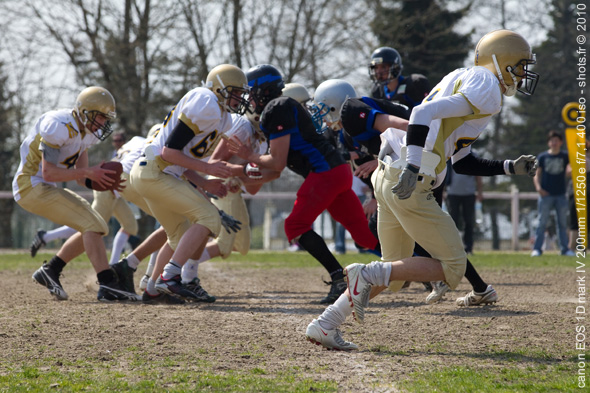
[266, 83]
[329, 98]
[230, 85]
[318, 112]
[95, 109]
[508, 55]
[527, 79]
[387, 56]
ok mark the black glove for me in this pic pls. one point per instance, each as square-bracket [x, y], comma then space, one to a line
[229, 223]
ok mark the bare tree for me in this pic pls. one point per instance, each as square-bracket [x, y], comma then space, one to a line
[122, 48]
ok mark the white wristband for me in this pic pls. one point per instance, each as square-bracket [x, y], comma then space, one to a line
[414, 155]
[507, 167]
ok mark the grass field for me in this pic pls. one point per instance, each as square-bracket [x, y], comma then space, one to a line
[252, 338]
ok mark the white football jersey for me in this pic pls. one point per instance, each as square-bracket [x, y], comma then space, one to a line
[130, 152]
[200, 111]
[244, 131]
[57, 129]
[453, 136]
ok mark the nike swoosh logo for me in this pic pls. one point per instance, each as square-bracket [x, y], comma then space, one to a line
[354, 291]
[322, 330]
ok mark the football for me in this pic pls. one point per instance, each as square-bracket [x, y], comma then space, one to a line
[114, 166]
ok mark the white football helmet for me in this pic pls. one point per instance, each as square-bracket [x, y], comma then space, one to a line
[507, 54]
[298, 92]
[330, 96]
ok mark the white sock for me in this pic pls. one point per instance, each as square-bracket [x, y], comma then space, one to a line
[151, 264]
[133, 261]
[62, 232]
[204, 256]
[336, 314]
[190, 271]
[377, 273]
[118, 243]
[151, 287]
[170, 270]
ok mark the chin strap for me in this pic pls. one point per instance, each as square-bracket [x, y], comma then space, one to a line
[509, 90]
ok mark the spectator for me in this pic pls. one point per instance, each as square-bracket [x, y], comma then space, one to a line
[550, 182]
[462, 192]
[118, 142]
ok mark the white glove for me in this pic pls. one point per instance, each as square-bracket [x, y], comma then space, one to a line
[252, 171]
[407, 182]
[523, 165]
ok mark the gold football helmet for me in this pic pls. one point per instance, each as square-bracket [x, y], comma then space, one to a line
[92, 102]
[230, 85]
[297, 91]
[508, 55]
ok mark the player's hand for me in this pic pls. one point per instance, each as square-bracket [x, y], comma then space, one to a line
[370, 207]
[229, 222]
[234, 185]
[242, 150]
[215, 187]
[120, 186]
[407, 182]
[366, 169]
[101, 176]
[523, 165]
[252, 171]
[218, 169]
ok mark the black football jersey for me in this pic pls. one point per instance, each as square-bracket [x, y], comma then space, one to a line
[308, 150]
[410, 91]
[358, 118]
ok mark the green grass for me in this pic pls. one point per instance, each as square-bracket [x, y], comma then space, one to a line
[542, 378]
[273, 259]
[32, 379]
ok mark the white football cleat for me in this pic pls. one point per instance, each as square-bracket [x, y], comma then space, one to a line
[144, 282]
[329, 339]
[473, 298]
[439, 288]
[359, 290]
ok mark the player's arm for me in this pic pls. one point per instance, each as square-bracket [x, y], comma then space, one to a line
[276, 160]
[80, 173]
[383, 121]
[421, 117]
[477, 166]
[180, 136]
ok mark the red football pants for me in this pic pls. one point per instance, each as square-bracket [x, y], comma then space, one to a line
[332, 191]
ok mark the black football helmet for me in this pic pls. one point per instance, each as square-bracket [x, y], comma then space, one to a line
[386, 55]
[266, 83]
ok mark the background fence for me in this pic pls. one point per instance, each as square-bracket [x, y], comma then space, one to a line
[268, 211]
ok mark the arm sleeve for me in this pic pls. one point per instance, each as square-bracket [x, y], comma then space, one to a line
[451, 106]
[180, 136]
[477, 166]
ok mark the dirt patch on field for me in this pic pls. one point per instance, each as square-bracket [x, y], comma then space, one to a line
[259, 321]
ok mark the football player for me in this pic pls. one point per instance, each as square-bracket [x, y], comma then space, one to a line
[363, 120]
[56, 151]
[294, 143]
[411, 164]
[189, 134]
[233, 203]
[385, 70]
